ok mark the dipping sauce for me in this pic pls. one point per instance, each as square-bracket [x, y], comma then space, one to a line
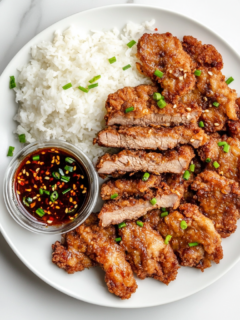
[52, 185]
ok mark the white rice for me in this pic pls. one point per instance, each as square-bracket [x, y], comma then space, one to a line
[46, 111]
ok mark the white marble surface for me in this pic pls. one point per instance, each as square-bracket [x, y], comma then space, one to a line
[22, 294]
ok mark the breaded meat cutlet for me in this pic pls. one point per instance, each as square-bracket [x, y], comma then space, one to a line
[225, 151]
[145, 110]
[147, 253]
[234, 126]
[193, 239]
[164, 53]
[101, 247]
[219, 200]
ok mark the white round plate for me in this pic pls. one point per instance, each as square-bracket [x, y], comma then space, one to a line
[35, 250]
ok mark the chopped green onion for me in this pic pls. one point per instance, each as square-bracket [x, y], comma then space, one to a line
[46, 192]
[54, 196]
[112, 60]
[68, 168]
[94, 85]
[121, 225]
[153, 201]
[222, 143]
[35, 158]
[10, 151]
[216, 164]
[164, 214]
[118, 239]
[131, 43]
[163, 209]
[114, 196]
[29, 199]
[183, 224]
[61, 172]
[65, 178]
[167, 239]
[83, 89]
[25, 202]
[216, 104]
[197, 73]
[139, 223]
[129, 109]
[157, 96]
[56, 175]
[94, 79]
[69, 160]
[161, 103]
[192, 167]
[41, 191]
[193, 244]
[67, 86]
[201, 124]
[146, 176]
[22, 138]
[12, 83]
[158, 73]
[126, 67]
[40, 212]
[208, 160]
[67, 190]
[229, 80]
[226, 148]
[186, 175]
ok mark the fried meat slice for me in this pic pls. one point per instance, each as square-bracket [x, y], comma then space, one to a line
[174, 161]
[229, 162]
[219, 200]
[123, 188]
[200, 231]
[147, 253]
[146, 111]
[115, 212]
[164, 52]
[150, 138]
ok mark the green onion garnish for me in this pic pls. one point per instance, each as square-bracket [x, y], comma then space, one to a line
[67, 86]
[153, 201]
[61, 172]
[157, 96]
[10, 151]
[68, 168]
[112, 60]
[139, 223]
[146, 176]
[186, 175]
[222, 143]
[121, 225]
[129, 109]
[167, 239]
[193, 244]
[197, 73]
[54, 196]
[25, 202]
[164, 214]
[131, 43]
[56, 175]
[163, 209]
[22, 138]
[69, 160]
[192, 167]
[12, 83]
[201, 124]
[161, 103]
[183, 224]
[40, 212]
[229, 80]
[67, 190]
[216, 104]
[35, 158]
[126, 67]
[83, 89]
[208, 160]
[94, 79]
[94, 85]
[226, 148]
[114, 196]
[46, 192]
[158, 73]
[65, 179]
[118, 239]
[216, 164]
[29, 200]
[41, 191]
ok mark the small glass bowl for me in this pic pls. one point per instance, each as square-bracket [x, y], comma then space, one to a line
[17, 211]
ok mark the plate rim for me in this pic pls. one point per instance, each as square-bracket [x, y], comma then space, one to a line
[5, 235]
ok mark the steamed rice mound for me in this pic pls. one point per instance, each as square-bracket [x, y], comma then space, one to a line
[46, 111]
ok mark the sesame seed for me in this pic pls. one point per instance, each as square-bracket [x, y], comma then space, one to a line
[37, 169]
[84, 191]
[216, 124]
[74, 168]
[27, 174]
[67, 172]
[34, 198]
[28, 190]
[210, 73]
[175, 106]
[49, 221]
[185, 75]
[75, 206]
[39, 199]
[221, 172]
[181, 69]
[188, 109]
[66, 211]
[192, 140]
[57, 207]
[207, 110]
[170, 71]
[18, 192]
[205, 98]
[24, 171]
[188, 116]
[180, 78]
[28, 162]
[46, 178]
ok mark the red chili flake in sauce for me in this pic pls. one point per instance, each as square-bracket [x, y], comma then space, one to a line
[44, 187]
